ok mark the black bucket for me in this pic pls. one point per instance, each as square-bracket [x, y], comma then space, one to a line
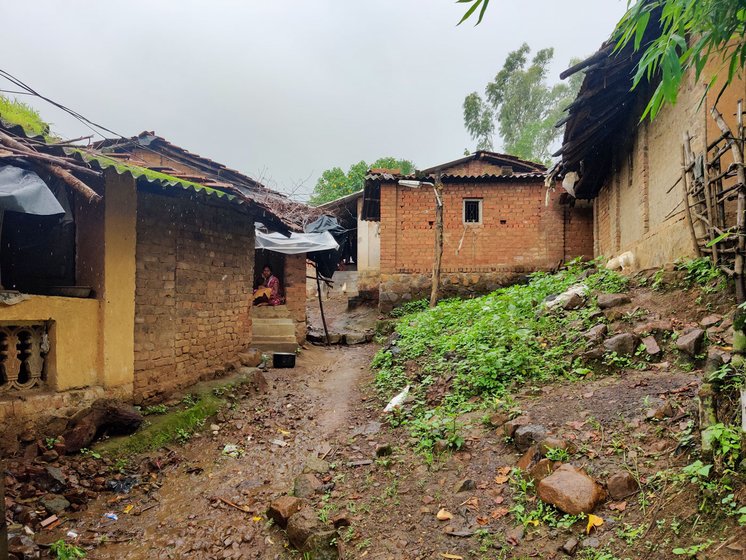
[283, 360]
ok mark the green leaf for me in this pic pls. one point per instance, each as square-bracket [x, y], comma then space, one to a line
[640, 27]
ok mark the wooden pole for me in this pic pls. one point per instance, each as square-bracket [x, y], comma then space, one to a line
[438, 189]
[735, 146]
[321, 306]
[3, 526]
[687, 209]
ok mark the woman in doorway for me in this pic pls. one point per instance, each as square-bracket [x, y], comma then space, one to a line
[268, 292]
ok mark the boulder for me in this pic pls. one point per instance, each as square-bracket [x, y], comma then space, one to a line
[570, 490]
[596, 334]
[651, 345]
[710, 321]
[573, 301]
[354, 338]
[306, 485]
[606, 301]
[251, 357]
[54, 503]
[542, 469]
[624, 344]
[690, 342]
[654, 327]
[528, 458]
[103, 417]
[527, 435]
[466, 485]
[621, 484]
[316, 465]
[498, 419]
[283, 508]
[307, 534]
[511, 426]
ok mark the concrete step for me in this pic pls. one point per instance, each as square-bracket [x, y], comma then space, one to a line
[286, 331]
[283, 345]
[270, 312]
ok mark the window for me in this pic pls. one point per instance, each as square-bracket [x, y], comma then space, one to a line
[472, 210]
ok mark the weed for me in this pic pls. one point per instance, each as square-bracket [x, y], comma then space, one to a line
[630, 533]
[183, 435]
[557, 454]
[50, 442]
[692, 551]
[85, 452]
[64, 551]
[410, 307]
[704, 273]
[189, 399]
[155, 409]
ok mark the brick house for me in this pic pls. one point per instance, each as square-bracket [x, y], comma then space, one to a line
[499, 225]
[142, 287]
[632, 170]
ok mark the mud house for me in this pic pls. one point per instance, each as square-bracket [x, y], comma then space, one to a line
[136, 283]
[499, 224]
[632, 169]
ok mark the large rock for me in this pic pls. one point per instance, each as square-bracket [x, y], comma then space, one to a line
[654, 327]
[23, 547]
[542, 469]
[283, 508]
[691, 342]
[596, 334]
[251, 357]
[104, 417]
[307, 534]
[621, 484]
[623, 344]
[606, 301]
[306, 485]
[528, 435]
[54, 503]
[570, 490]
[651, 346]
[511, 426]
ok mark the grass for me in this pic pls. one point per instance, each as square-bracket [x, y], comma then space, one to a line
[18, 113]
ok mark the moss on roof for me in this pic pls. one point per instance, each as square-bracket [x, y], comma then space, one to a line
[14, 112]
[153, 176]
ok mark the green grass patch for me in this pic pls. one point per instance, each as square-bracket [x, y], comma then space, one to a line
[489, 344]
[17, 113]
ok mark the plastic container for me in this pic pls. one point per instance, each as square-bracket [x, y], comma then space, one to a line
[283, 360]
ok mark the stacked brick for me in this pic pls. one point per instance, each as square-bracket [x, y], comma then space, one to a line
[193, 291]
[295, 293]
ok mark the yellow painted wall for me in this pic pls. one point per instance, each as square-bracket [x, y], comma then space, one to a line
[74, 358]
[118, 304]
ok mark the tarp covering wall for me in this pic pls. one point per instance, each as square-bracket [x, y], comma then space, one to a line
[24, 191]
[297, 242]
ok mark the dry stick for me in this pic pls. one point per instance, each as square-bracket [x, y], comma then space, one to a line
[321, 306]
[438, 188]
[21, 149]
[741, 207]
[87, 192]
[710, 213]
[686, 203]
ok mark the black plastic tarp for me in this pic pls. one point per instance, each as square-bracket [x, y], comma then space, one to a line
[327, 261]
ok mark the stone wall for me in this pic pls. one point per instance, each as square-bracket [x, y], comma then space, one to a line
[193, 290]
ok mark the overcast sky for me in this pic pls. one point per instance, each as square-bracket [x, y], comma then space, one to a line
[284, 89]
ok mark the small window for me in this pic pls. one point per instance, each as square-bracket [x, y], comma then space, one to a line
[472, 210]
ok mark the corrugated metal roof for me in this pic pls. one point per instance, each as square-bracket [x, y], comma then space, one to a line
[488, 177]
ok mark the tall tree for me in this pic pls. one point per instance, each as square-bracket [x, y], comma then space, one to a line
[692, 33]
[525, 107]
[335, 183]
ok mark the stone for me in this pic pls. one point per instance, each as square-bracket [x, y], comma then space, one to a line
[23, 547]
[623, 344]
[306, 485]
[55, 426]
[515, 535]
[306, 533]
[511, 426]
[283, 508]
[570, 490]
[354, 338]
[316, 465]
[251, 357]
[710, 321]
[528, 458]
[606, 301]
[527, 435]
[50, 456]
[259, 382]
[654, 327]
[384, 450]
[551, 442]
[542, 469]
[621, 485]
[465, 485]
[54, 503]
[573, 301]
[651, 345]
[570, 546]
[341, 520]
[52, 479]
[498, 419]
[596, 334]
[104, 416]
[591, 542]
[691, 342]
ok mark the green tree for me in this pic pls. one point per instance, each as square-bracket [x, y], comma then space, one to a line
[335, 183]
[525, 107]
[692, 33]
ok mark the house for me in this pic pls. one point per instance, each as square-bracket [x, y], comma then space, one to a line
[632, 169]
[500, 223]
[138, 284]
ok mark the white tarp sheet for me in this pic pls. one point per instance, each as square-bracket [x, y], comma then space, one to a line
[24, 191]
[296, 243]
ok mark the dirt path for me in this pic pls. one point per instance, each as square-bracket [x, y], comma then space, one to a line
[300, 416]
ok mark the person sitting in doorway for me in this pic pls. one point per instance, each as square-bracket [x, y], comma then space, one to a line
[268, 292]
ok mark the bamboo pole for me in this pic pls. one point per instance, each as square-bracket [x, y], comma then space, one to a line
[3, 526]
[438, 189]
[688, 212]
[321, 306]
[736, 150]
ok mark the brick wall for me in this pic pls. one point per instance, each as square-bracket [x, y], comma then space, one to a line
[193, 286]
[295, 293]
[519, 234]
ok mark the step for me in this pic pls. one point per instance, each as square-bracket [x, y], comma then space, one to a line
[264, 330]
[275, 321]
[270, 312]
[275, 346]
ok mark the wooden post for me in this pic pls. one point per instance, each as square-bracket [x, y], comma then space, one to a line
[735, 147]
[438, 189]
[687, 210]
[321, 306]
[3, 526]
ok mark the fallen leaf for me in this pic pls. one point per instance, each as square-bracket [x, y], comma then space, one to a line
[471, 503]
[499, 512]
[128, 508]
[618, 506]
[593, 521]
[501, 479]
[483, 520]
[451, 556]
[284, 432]
[444, 515]
[534, 522]
[504, 470]
[256, 519]
[499, 500]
